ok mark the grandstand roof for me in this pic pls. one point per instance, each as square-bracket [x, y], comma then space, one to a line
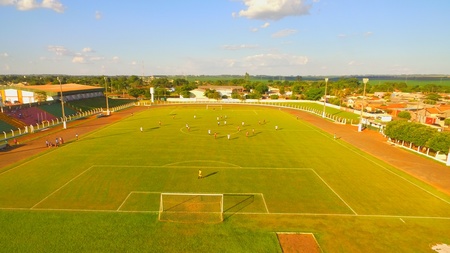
[66, 88]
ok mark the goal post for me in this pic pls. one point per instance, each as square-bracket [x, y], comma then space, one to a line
[191, 207]
[213, 107]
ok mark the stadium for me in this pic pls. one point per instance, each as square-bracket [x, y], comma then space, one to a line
[273, 179]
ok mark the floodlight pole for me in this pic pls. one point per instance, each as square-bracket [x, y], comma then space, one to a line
[325, 98]
[62, 104]
[107, 104]
[360, 127]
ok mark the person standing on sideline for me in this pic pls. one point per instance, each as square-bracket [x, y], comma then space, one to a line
[76, 136]
[200, 174]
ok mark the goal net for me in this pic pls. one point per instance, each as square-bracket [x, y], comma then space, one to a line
[213, 107]
[191, 207]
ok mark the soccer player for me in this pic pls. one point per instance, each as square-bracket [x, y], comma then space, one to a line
[200, 174]
[228, 136]
[142, 129]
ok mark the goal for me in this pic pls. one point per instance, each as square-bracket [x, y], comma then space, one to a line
[214, 107]
[191, 207]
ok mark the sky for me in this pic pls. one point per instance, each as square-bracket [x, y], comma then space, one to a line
[225, 37]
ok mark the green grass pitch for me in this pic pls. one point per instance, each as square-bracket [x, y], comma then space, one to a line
[277, 173]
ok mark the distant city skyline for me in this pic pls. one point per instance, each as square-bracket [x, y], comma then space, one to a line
[225, 37]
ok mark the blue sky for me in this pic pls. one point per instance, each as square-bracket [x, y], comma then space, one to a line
[215, 37]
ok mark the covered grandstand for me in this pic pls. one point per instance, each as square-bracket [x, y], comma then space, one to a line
[26, 105]
[19, 94]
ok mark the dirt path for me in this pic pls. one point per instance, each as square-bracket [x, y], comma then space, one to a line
[371, 142]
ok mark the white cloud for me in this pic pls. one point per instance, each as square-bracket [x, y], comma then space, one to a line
[273, 9]
[98, 15]
[4, 55]
[284, 33]
[238, 47]
[6, 67]
[59, 50]
[96, 58]
[87, 50]
[53, 5]
[275, 60]
[265, 25]
[26, 5]
[78, 59]
[7, 2]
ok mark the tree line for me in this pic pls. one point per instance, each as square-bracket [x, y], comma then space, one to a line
[165, 86]
[419, 135]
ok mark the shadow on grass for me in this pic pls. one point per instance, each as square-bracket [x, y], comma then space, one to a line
[239, 205]
[211, 174]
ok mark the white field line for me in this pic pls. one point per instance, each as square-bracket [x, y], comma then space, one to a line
[329, 187]
[265, 204]
[190, 161]
[390, 171]
[125, 200]
[241, 213]
[134, 192]
[37, 157]
[255, 112]
[62, 186]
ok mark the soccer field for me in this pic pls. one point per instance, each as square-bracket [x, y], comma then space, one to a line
[277, 173]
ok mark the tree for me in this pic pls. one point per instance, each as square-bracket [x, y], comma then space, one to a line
[440, 141]
[262, 88]
[314, 93]
[40, 96]
[135, 92]
[212, 94]
[447, 121]
[404, 115]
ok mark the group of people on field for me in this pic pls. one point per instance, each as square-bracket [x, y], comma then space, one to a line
[58, 141]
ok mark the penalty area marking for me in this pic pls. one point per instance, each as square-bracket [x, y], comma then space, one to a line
[77, 176]
[135, 192]
[329, 187]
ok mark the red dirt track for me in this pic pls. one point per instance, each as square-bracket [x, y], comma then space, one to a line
[372, 142]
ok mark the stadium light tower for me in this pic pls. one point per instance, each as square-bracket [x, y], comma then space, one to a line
[360, 126]
[62, 104]
[325, 97]
[107, 104]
